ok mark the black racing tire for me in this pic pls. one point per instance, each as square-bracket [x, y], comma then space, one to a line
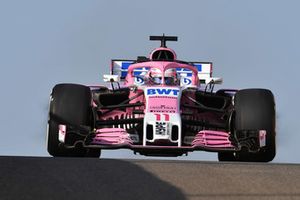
[255, 110]
[72, 103]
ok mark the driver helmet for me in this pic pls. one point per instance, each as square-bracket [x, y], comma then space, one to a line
[155, 76]
[171, 77]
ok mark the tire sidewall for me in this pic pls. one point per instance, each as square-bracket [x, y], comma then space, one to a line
[72, 103]
[255, 110]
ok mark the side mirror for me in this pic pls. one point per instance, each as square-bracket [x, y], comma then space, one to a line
[214, 80]
[111, 78]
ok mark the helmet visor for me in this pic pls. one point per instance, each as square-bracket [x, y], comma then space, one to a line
[169, 81]
[156, 80]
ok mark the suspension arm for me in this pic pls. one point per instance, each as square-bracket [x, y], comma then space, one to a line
[118, 122]
[122, 103]
[205, 123]
[122, 106]
[204, 108]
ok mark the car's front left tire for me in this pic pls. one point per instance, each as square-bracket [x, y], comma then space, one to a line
[71, 103]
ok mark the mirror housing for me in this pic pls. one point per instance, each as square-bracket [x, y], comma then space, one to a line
[214, 80]
[111, 78]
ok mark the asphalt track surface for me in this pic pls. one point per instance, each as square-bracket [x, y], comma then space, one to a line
[87, 178]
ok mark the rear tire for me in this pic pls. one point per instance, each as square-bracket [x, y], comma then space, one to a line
[72, 103]
[255, 110]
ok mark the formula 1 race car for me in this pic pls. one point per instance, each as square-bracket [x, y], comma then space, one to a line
[161, 106]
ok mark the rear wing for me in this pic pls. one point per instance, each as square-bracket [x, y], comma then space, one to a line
[120, 68]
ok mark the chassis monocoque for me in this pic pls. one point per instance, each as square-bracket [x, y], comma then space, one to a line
[162, 118]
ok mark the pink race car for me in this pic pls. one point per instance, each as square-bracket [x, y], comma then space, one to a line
[161, 106]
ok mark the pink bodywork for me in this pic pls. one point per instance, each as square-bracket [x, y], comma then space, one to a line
[210, 138]
[111, 136]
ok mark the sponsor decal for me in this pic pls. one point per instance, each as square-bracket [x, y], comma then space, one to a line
[187, 81]
[139, 80]
[163, 91]
[62, 129]
[163, 108]
[262, 138]
[160, 128]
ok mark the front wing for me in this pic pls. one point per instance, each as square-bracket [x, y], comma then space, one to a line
[205, 140]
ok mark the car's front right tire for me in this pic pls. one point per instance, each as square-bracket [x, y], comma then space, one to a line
[254, 109]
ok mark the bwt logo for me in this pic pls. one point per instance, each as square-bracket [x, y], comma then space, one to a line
[163, 91]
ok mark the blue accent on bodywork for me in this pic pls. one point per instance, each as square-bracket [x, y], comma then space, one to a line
[124, 68]
[199, 67]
